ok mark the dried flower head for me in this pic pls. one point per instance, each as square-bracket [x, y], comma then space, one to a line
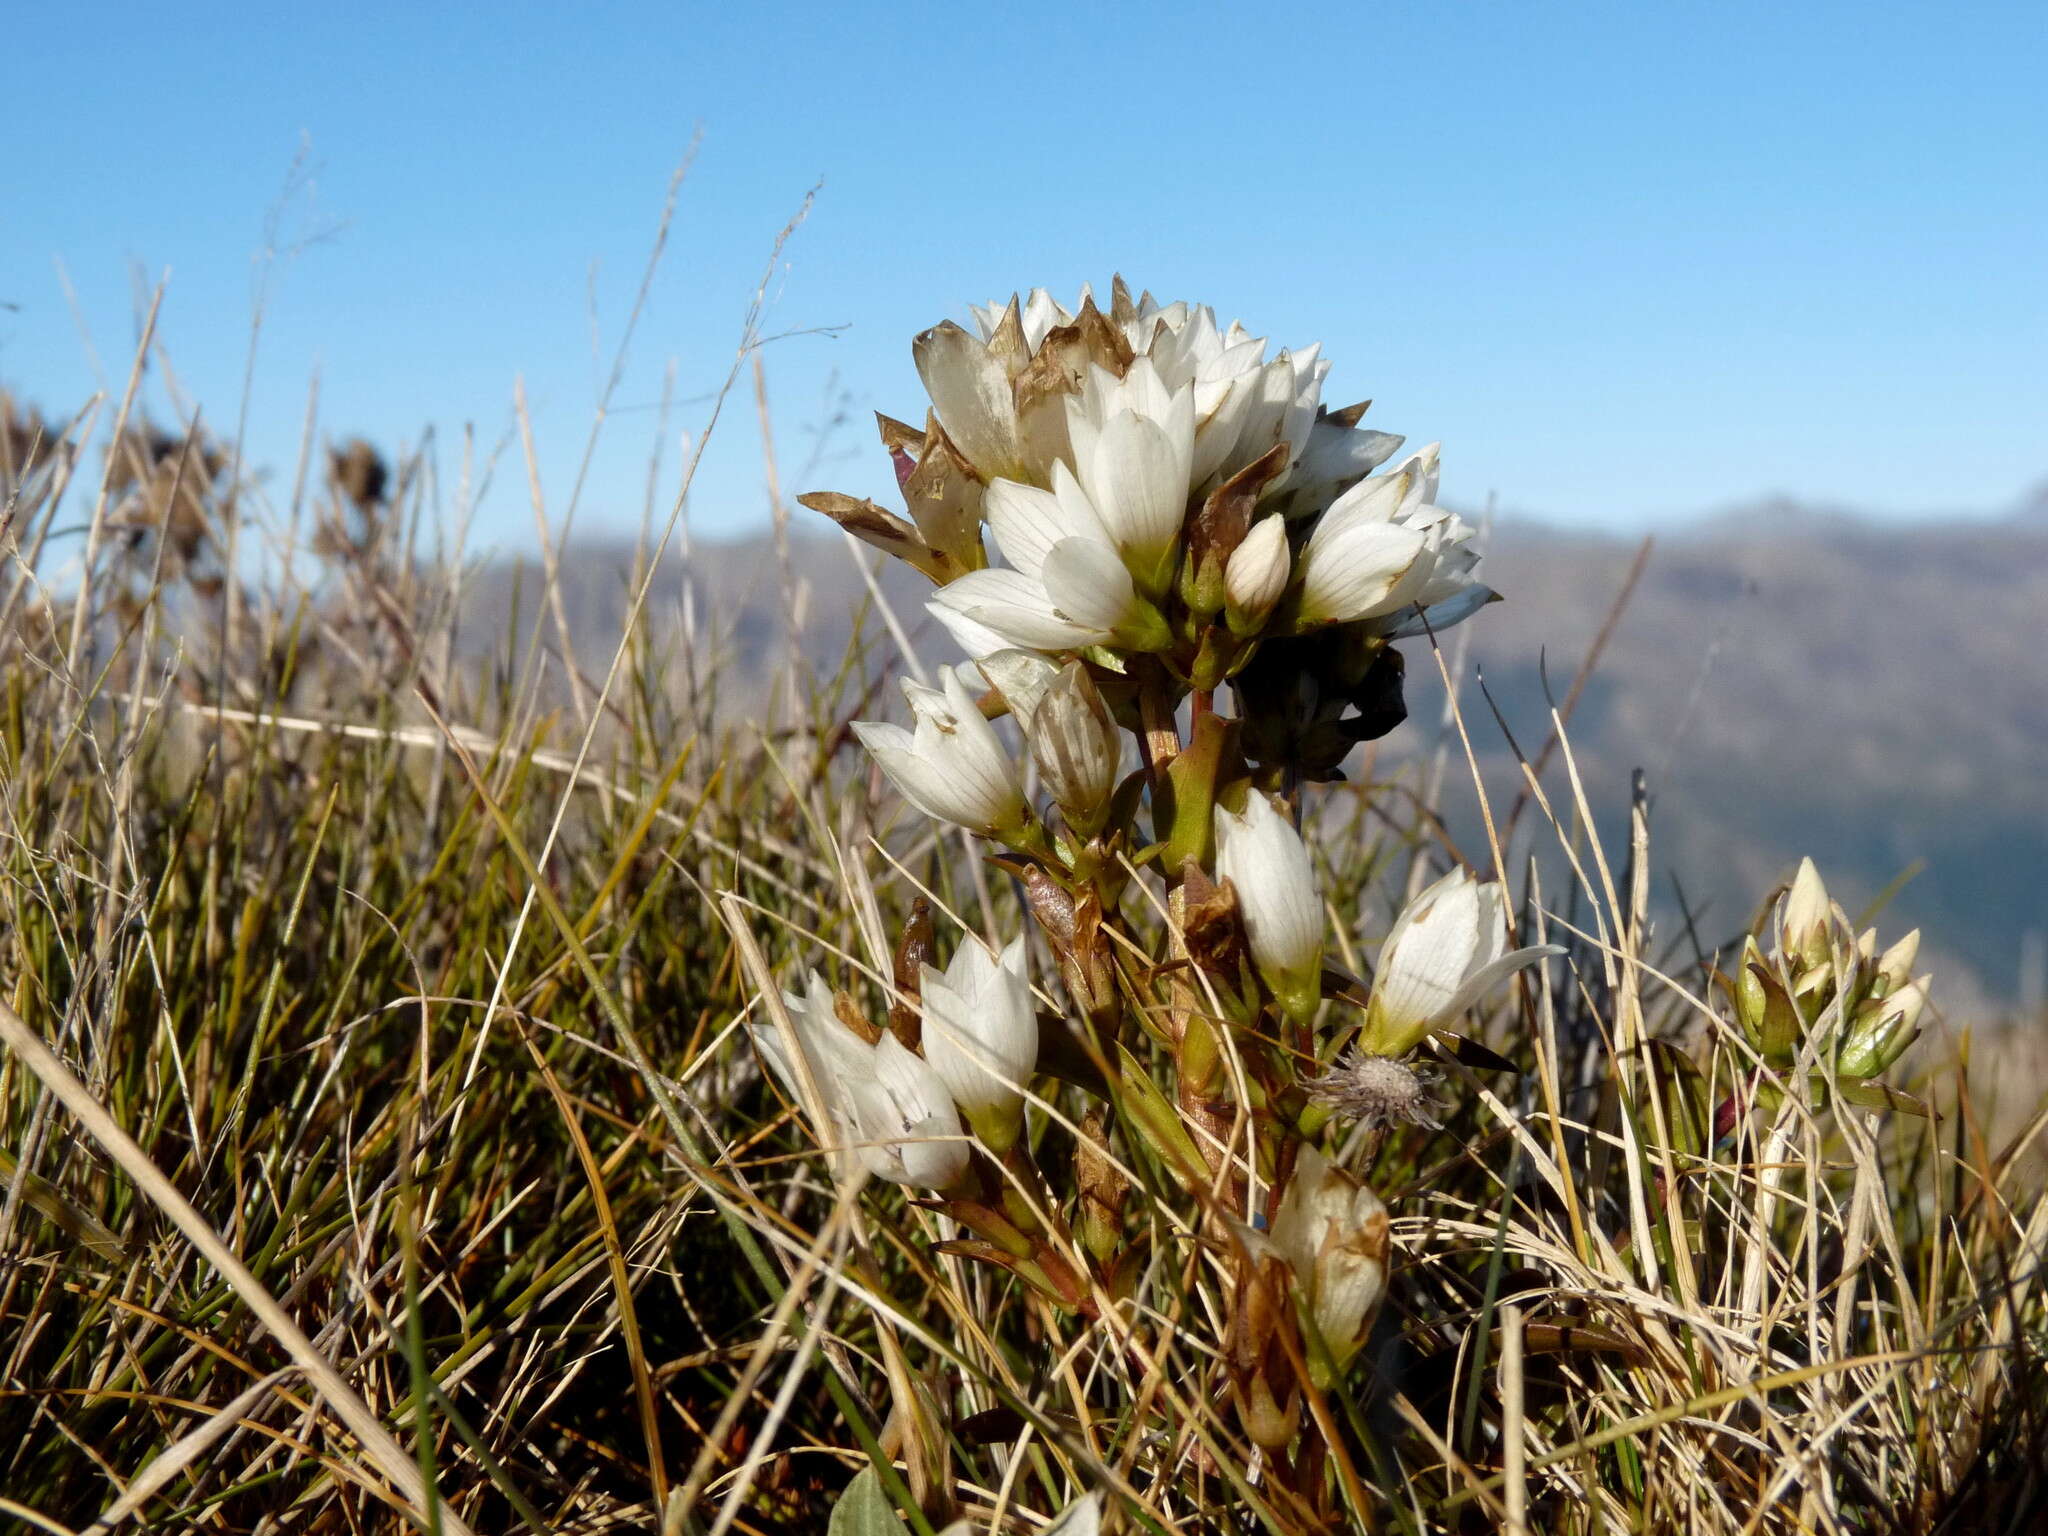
[1376, 1090]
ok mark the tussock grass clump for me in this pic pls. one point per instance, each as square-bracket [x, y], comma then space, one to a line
[385, 1141]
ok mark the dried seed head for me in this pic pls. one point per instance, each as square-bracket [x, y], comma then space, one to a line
[1376, 1090]
[359, 474]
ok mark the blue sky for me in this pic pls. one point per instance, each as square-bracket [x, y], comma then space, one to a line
[1629, 262]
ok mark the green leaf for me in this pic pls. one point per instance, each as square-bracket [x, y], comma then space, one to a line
[864, 1510]
[1147, 1107]
[1873, 1095]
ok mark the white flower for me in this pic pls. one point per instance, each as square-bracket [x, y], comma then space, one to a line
[1256, 575]
[953, 765]
[880, 1099]
[1067, 586]
[1133, 444]
[1088, 546]
[904, 1120]
[832, 1052]
[1445, 952]
[1334, 1233]
[1382, 553]
[1365, 557]
[1077, 747]
[981, 1035]
[1265, 861]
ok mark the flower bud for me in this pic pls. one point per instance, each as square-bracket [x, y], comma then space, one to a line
[1021, 677]
[1334, 1232]
[1895, 965]
[1882, 1029]
[981, 1036]
[1445, 952]
[1770, 1020]
[1077, 748]
[1257, 575]
[1807, 917]
[1265, 861]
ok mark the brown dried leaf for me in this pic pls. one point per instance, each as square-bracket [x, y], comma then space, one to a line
[849, 1014]
[944, 497]
[874, 524]
[1225, 517]
[1007, 346]
[899, 436]
[916, 949]
[1211, 930]
[1121, 305]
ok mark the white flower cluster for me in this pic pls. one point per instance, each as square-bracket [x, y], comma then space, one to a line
[1093, 463]
[898, 1110]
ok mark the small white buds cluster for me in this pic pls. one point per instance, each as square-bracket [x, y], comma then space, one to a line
[1824, 984]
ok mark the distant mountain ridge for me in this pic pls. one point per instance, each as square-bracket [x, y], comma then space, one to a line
[1793, 680]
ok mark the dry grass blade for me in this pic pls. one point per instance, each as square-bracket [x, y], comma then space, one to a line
[385, 1452]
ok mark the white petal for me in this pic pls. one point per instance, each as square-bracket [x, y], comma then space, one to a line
[971, 393]
[1017, 609]
[1491, 975]
[1021, 677]
[1352, 573]
[953, 766]
[923, 784]
[1088, 586]
[1137, 478]
[1027, 521]
[1298, 1225]
[907, 1116]
[1259, 569]
[1337, 457]
[980, 1027]
[1437, 617]
[972, 636]
[1375, 499]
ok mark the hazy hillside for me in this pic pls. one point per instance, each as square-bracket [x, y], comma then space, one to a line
[1790, 680]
